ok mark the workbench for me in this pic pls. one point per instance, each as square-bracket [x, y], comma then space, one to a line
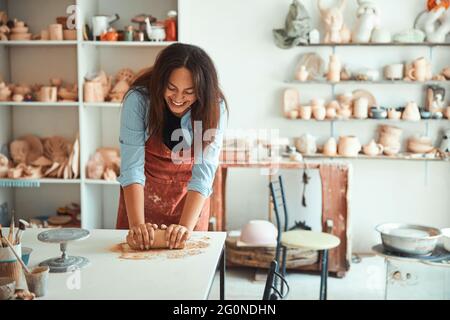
[109, 277]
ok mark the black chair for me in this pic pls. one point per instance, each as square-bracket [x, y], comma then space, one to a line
[271, 291]
[300, 239]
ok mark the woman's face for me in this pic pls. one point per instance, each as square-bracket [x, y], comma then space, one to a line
[180, 94]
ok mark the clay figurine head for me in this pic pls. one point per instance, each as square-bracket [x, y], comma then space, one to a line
[332, 16]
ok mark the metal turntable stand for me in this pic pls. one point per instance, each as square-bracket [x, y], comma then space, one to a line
[63, 236]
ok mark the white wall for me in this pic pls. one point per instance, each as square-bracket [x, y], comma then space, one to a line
[238, 36]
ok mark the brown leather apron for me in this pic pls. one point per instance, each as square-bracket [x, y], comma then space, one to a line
[165, 189]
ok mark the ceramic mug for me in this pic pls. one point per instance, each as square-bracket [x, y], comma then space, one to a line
[55, 32]
[394, 71]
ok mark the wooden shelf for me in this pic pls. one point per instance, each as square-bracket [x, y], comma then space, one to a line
[401, 157]
[12, 43]
[128, 43]
[102, 182]
[102, 104]
[5, 183]
[39, 104]
[355, 82]
[371, 120]
[391, 44]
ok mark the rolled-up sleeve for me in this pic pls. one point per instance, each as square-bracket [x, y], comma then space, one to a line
[132, 139]
[205, 166]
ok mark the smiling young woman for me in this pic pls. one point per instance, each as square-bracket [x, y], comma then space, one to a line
[165, 110]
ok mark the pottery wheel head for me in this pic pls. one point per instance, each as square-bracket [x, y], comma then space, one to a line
[63, 235]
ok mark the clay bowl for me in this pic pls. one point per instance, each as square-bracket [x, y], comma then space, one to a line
[19, 30]
[7, 288]
[415, 147]
[391, 150]
[259, 233]
[70, 34]
[425, 114]
[378, 113]
[20, 36]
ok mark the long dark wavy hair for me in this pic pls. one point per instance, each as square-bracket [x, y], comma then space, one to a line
[206, 86]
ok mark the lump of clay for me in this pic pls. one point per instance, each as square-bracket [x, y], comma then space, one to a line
[159, 242]
[36, 149]
[56, 149]
[19, 150]
[4, 166]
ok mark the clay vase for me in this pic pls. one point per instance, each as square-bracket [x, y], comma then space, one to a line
[302, 74]
[306, 144]
[291, 100]
[447, 112]
[411, 112]
[361, 108]
[319, 112]
[420, 71]
[330, 147]
[305, 112]
[332, 108]
[334, 69]
[394, 114]
[373, 149]
[93, 92]
[48, 94]
[55, 32]
[349, 146]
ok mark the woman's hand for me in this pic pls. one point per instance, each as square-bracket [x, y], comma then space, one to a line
[176, 235]
[141, 237]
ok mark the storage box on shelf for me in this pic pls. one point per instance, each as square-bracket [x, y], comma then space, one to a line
[97, 122]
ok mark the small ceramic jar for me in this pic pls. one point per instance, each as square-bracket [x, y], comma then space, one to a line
[319, 112]
[305, 112]
[302, 74]
[349, 146]
[330, 147]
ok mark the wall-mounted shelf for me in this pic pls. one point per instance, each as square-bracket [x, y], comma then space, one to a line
[127, 43]
[364, 157]
[355, 82]
[391, 44]
[35, 182]
[102, 182]
[39, 104]
[38, 43]
[372, 120]
[102, 104]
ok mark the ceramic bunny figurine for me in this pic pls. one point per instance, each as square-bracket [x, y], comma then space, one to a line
[368, 19]
[336, 31]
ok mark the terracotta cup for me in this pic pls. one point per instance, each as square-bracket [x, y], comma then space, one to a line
[55, 32]
[48, 94]
[419, 71]
[305, 112]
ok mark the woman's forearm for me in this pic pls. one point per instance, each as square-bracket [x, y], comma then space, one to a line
[134, 202]
[192, 208]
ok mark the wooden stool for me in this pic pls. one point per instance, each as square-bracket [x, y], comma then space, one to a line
[311, 240]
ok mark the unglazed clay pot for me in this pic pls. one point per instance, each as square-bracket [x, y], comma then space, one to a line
[394, 114]
[55, 32]
[411, 112]
[48, 94]
[93, 91]
[306, 144]
[447, 112]
[373, 149]
[291, 100]
[349, 146]
[319, 112]
[330, 147]
[420, 70]
[421, 144]
[361, 108]
[332, 108]
[334, 69]
[293, 114]
[302, 74]
[305, 112]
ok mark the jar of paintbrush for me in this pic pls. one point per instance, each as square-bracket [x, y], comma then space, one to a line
[10, 267]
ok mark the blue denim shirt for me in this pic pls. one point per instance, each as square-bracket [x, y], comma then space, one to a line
[134, 134]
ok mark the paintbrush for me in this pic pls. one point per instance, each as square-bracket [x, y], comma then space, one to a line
[17, 256]
[20, 231]
[11, 230]
[1, 236]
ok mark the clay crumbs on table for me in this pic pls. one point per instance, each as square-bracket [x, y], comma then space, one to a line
[192, 248]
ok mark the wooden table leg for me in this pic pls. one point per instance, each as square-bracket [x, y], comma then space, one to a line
[218, 199]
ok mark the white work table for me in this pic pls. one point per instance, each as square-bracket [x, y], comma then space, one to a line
[109, 277]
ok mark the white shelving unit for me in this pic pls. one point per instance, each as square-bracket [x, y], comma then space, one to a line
[97, 123]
